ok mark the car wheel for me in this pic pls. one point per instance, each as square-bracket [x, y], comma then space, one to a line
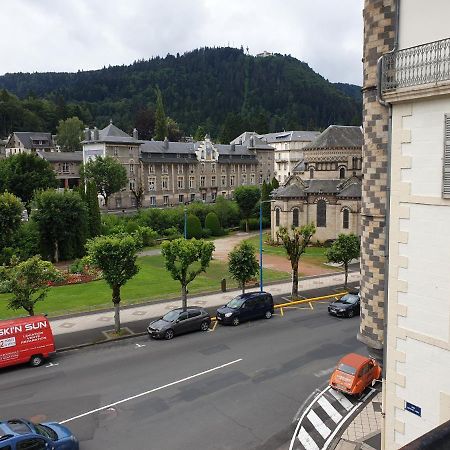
[36, 360]
[168, 334]
[204, 325]
[235, 321]
[351, 313]
[268, 314]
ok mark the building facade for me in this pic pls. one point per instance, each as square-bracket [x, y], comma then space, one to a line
[415, 88]
[66, 166]
[172, 173]
[29, 142]
[325, 187]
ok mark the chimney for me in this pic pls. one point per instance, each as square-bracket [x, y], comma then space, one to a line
[96, 134]
[233, 147]
[87, 134]
[166, 144]
[252, 141]
[135, 134]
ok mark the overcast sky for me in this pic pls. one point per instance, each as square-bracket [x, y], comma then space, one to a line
[67, 35]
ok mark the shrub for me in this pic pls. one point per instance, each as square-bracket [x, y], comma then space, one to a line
[206, 233]
[171, 233]
[26, 240]
[147, 236]
[253, 224]
[212, 223]
[227, 211]
[194, 227]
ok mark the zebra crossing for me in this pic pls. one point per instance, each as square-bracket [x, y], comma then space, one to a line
[323, 418]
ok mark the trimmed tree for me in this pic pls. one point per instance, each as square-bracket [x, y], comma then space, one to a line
[193, 227]
[185, 259]
[247, 197]
[345, 248]
[28, 283]
[94, 217]
[212, 223]
[242, 264]
[295, 243]
[69, 134]
[116, 257]
[107, 174]
[274, 184]
[10, 217]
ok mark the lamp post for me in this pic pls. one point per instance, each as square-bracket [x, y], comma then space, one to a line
[260, 244]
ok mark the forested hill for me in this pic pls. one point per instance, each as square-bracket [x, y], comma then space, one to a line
[223, 90]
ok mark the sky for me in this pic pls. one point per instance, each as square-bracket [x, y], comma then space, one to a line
[71, 35]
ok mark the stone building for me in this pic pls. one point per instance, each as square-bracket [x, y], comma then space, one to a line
[66, 166]
[172, 173]
[325, 187]
[29, 142]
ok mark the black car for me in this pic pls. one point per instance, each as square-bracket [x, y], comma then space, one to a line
[252, 305]
[179, 321]
[346, 306]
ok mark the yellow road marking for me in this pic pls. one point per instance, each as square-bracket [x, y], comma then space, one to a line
[214, 326]
[281, 311]
[311, 306]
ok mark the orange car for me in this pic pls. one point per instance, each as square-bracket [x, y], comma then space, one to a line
[354, 373]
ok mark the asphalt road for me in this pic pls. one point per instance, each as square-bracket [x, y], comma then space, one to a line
[231, 388]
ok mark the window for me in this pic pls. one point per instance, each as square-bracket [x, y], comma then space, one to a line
[213, 168]
[345, 218]
[118, 202]
[204, 196]
[192, 197]
[223, 169]
[151, 183]
[32, 444]
[132, 185]
[252, 178]
[233, 168]
[166, 200]
[165, 183]
[252, 168]
[213, 181]
[180, 182]
[244, 178]
[231, 180]
[243, 168]
[277, 217]
[213, 196]
[191, 168]
[446, 164]
[295, 216]
[311, 173]
[194, 313]
[202, 167]
[192, 183]
[342, 173]
[321, 213]
[202, 181]
[116, 151]
[224, 180]
[260, 178]
[180, 168]
[65, 167]
[151, 168]
[164, 168]
[131, 166]
[133, 201]
[181, 198]
[153, 200]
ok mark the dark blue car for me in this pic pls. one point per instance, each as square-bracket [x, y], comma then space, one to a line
[21, 434]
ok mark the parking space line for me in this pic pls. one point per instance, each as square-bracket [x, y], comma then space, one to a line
[213, 327]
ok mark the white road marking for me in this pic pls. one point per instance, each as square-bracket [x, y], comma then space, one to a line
[52, 364]
[342, 399]
[142, 394]
[315, 393]
[329, 409]
[324, 372]
[140, 345]
[306, 440]
[318, 424]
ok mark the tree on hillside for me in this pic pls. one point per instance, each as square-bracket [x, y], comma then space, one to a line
[185, 259]
[70, 134]
[10, 218]
[345, 248]
[161, 131]
[247, 197]
[174, 134]
[116, 257]
[242, 264]
[62, 220]
[295, 243]
[200, 133]
[108, 175]
[28, 283]
[23, 174]
[144, 121]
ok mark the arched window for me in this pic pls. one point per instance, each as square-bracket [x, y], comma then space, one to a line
[295, 217]
[131, 166]
[311, 173]
[342, 173]
[345, 219]
[321, 213]
[277, 217]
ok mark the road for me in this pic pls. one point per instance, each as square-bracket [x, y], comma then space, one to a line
[231, 388]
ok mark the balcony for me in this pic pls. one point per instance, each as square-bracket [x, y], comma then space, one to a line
[427, 64]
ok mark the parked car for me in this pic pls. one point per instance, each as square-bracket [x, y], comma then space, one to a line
[251, 305]
[179, 321]
[347, 306]
[25, 340]
[21, 434]
[354, 373]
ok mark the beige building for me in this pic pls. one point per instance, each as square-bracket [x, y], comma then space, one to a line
[172, 173]
[325, 187]
[66, 166]
[28, 142]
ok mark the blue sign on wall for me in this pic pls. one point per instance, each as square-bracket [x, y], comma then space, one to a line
[417, 410]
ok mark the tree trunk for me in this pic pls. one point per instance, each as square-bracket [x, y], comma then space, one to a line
[184, 297]
[30, 310]
[346, 275]
[294, 294]
[243, 287]
[246, 225]
[116, 301]
[56, 254]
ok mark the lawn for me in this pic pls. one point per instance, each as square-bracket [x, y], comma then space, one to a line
[313, 255]
[153, 282]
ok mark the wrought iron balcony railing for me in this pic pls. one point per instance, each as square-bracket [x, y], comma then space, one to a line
[415, 66]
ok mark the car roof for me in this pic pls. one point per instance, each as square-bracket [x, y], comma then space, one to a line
[189, 308]
[252, 294]
[354, 360]
[14, 427]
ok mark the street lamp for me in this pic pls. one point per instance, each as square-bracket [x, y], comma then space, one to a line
[260, 243]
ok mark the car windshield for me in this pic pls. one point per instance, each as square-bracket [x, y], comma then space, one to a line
[46, 431]
[346, 369]
[349, 299]
[235, 303]
[171, 316]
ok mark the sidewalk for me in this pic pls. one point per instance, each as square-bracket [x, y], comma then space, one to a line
[94, 320]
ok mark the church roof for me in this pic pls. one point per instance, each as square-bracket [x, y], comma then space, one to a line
[352, 189]
[323, 186]
[338, 136]
[293, 190]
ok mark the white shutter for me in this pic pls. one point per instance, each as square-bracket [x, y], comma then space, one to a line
[446, 164]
